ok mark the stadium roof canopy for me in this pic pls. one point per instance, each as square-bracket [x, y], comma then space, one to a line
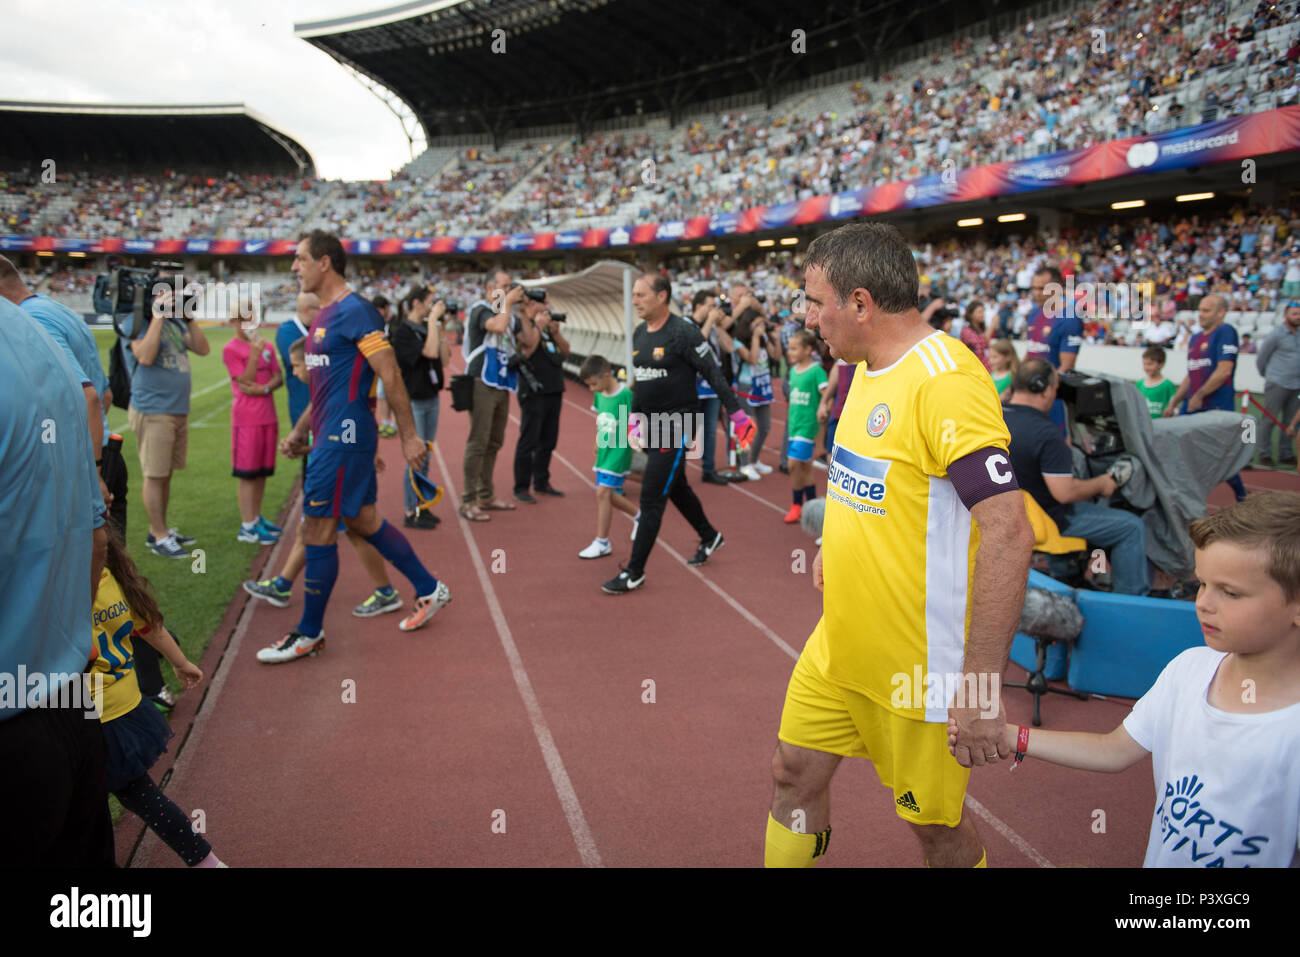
[578, 62]
[108, 138]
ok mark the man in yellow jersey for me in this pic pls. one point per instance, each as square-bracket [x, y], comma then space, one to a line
[923, 565]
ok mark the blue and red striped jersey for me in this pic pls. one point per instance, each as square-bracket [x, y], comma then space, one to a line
[342, 337]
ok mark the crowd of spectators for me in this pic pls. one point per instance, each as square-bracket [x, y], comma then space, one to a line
[1133, 278]
[1107, 71]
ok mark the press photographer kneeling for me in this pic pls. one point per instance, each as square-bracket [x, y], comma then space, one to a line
[539, 360]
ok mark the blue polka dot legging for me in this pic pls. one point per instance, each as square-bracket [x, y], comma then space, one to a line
[148, 802]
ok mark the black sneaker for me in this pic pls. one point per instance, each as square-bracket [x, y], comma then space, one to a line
[421, 520]
[713, 478]
[706, 549]
[1266, 461]
[623, 584]
[525, 497]
[550, 490]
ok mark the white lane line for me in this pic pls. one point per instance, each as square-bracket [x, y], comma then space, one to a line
[735, 605]
[979, 809]
[193, 396]
[568, 797]
[211, 388]
[216, 683]
[1001, 827]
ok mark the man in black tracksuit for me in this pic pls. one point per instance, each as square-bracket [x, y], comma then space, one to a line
[667, 352]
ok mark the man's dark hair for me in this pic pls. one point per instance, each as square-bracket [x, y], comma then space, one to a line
[1034, 375]
[1053, 274]
[659, 283]
[379, 302]
[593, 365]
[321, 243]
[697, 300]
[1155, 354]
[870, 256]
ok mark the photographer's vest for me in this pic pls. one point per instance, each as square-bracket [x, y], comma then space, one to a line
[755, 380]
[702, 388]
[496, 349]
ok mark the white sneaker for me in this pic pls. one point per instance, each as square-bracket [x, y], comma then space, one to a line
[763, 469]
[292, 647]
[751, 473]
[596, 549]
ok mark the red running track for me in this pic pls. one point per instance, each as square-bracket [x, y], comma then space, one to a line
[512, 730]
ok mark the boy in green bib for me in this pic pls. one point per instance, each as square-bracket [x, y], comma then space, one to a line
[612, 403]
[807, 381]
[1154, 386]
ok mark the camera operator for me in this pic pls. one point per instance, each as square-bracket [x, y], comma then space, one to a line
[1044, 468]
[160, 406]
[422, 355]
[542, 350]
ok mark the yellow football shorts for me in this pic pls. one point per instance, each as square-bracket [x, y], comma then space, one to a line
[910, 757]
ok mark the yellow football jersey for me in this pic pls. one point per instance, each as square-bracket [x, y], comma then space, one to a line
[898, 547]
[115, 658]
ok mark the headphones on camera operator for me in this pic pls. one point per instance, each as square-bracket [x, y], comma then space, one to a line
[1040, 381]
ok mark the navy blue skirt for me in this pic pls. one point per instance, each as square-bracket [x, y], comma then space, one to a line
[135, 741]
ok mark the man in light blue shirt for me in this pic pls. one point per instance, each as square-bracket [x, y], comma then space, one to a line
[53, 807]
[76, 340]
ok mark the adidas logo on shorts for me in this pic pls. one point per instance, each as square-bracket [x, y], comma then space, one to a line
[909, 802]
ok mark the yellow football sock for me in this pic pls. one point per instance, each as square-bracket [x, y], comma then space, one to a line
[787, 848]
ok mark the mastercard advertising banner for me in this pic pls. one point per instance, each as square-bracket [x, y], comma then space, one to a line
[1236, 138]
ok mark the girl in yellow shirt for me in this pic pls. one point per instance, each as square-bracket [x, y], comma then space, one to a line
[135, 733]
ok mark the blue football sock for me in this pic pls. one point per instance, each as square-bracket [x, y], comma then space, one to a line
[281, 583]
[798, 496]
[809, 493]
[397, 551]
[385, 591]
[1237, 486]
[317, 583]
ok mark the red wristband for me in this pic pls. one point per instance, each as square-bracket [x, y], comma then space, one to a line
[1022, 746]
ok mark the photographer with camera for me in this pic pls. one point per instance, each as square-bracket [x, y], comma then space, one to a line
[756, 342]
[714, 323]
[422, 355]
[160, 403]
[539, 361]
[487, 350]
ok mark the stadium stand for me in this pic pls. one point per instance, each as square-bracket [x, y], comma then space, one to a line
[1102, 72]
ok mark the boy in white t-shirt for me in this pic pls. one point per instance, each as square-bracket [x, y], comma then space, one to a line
[1222, 722]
